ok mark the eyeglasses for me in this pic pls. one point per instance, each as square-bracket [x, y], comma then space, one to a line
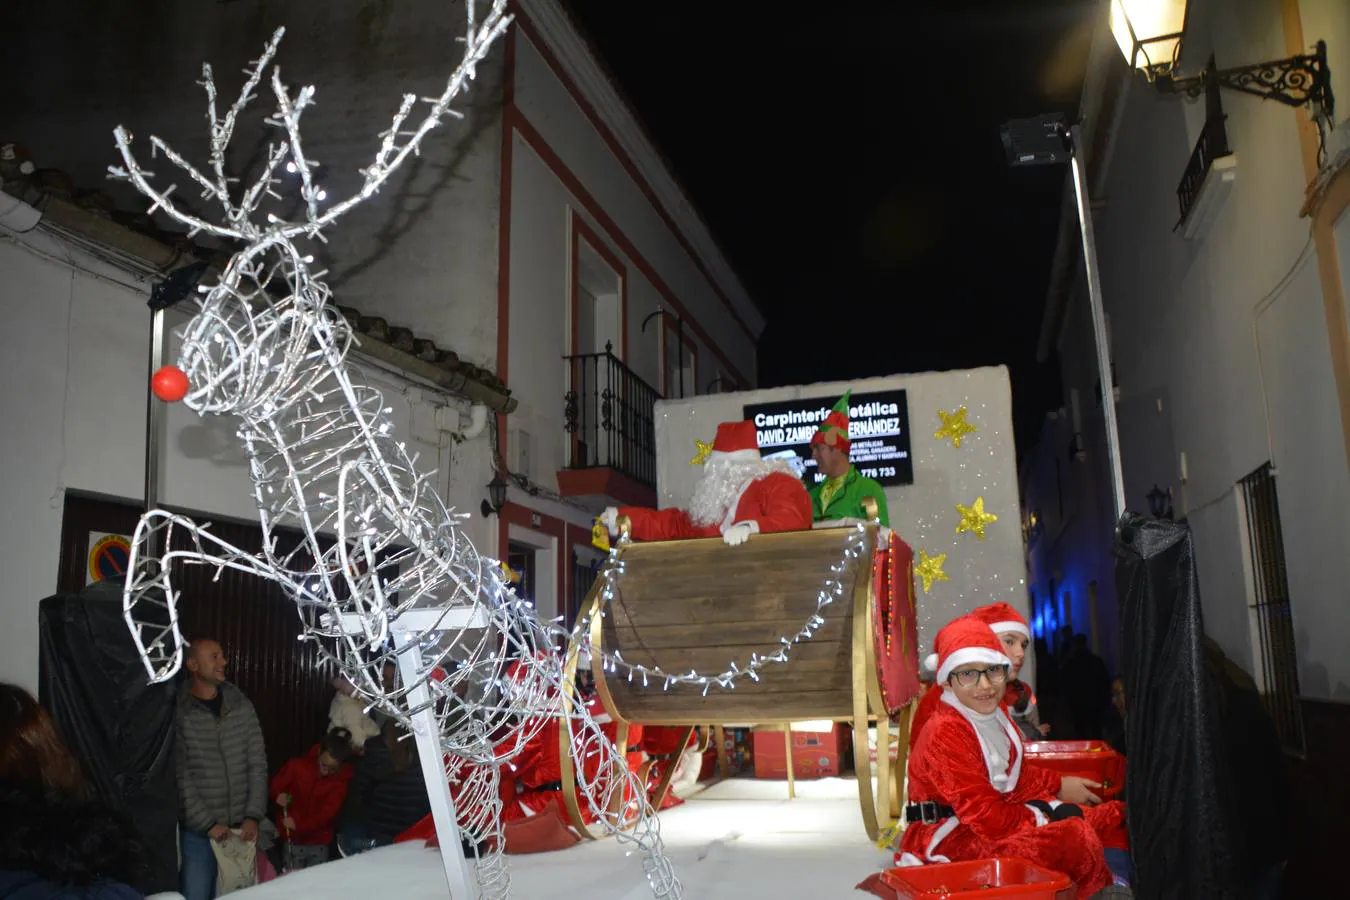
[968, 678]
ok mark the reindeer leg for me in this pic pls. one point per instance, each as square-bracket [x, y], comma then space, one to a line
[149, 600]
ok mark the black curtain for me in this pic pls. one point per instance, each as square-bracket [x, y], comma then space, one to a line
[1184, 793]
[119, 726]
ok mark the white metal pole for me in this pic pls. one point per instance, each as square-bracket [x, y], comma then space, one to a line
[1079, 167]
[431, 755]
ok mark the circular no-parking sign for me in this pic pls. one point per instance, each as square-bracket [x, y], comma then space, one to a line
[108, 557]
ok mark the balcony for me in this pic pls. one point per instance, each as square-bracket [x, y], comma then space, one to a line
[1209, 175]
[609, 416]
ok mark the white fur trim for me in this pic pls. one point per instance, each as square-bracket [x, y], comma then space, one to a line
[1003, 782]
[930, 662]
[1041, 818]
[734, 454]
[970, 655]
[908, 859]
[1011, 626]
[939, 835]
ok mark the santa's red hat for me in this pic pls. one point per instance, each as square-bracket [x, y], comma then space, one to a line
[735, 440]
[1003, 619]
[963, 641]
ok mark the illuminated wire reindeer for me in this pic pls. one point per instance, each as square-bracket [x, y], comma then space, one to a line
[268, 347]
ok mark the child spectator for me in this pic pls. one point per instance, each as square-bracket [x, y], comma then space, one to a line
[348, 712]
[973, 795]
[310, 791]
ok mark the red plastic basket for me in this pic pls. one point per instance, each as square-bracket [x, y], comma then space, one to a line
[1088, 759]
[997, 877]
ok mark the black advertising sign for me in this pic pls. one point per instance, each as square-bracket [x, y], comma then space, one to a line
[878, 428]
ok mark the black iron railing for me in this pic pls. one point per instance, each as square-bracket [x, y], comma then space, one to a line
[1274, 624]
[609, 413]
[1213, 144]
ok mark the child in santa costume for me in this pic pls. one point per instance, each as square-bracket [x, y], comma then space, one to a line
[739, 494]
[1018, 699]
[663, 747]
[972, 795]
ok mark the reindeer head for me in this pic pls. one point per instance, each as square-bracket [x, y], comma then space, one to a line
[266, 333]
[264, 337]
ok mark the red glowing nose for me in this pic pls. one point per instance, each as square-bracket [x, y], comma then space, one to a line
[169, 384]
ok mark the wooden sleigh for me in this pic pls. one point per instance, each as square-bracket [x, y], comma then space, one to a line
[700, 605]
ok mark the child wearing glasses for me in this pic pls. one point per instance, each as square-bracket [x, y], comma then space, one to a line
[972, 797]
[1018, 699]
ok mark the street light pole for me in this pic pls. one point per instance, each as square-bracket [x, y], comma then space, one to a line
[153, 417]
[1078, 165]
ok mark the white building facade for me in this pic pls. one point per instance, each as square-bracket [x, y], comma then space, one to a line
[541, 241]
[1224, 245]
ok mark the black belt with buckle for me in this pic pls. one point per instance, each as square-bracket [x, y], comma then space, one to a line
[550, 786]
[929, 812]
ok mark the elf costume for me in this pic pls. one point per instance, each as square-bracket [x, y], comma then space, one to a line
[1018, 698]
[972, 797]
[842, 497]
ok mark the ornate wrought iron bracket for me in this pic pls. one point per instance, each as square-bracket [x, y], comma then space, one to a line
[1297, 81]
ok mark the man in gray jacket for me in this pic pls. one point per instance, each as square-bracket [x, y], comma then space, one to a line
[222, 767]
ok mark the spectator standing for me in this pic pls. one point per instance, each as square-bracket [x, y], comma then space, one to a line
[56, 840]
[387, 794]
[222, 772]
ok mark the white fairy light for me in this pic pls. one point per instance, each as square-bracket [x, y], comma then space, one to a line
[268, 346]
[613, 661]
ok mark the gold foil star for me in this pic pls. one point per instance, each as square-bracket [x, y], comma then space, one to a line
[954, 427]
[704, 451]
[974, 518]
[929, 569]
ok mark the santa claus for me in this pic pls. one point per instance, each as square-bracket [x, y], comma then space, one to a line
[740, 494]
[972, 794]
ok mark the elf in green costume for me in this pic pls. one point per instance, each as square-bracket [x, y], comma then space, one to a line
[841, 494]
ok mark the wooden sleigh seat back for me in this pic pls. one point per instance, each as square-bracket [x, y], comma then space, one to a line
[701, 605]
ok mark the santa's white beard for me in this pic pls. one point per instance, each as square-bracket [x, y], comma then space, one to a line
[722, 483]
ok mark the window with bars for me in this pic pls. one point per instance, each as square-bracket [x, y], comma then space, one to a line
[1276, 658]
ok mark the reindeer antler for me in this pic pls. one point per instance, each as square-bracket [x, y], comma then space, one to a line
[478, 40]
[397, 143]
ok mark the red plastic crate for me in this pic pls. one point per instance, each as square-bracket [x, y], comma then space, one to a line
[815, 754]
[1087, 759]
[998, 877]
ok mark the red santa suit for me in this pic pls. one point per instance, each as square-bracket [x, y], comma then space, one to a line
[662, 744]
[772, 499]
[967, 777]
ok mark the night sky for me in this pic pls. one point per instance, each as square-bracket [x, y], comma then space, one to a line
[847, 158]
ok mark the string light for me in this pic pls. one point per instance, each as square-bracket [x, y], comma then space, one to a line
[613, 662]
[378, 543]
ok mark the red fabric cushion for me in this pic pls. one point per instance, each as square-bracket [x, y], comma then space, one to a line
[542, 833]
